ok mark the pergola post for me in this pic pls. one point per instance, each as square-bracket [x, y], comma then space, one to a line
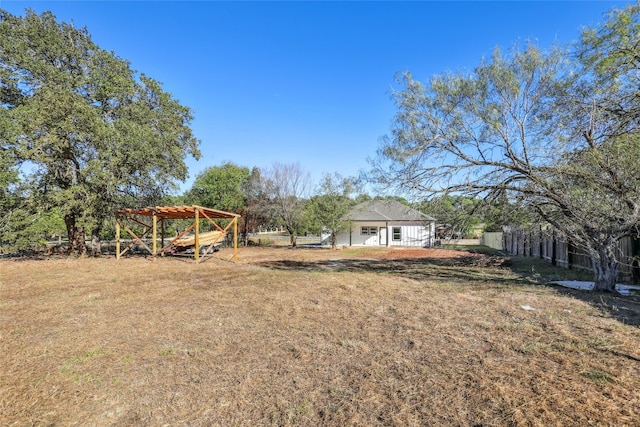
[154, 234]
[197, 233]
[235, 239]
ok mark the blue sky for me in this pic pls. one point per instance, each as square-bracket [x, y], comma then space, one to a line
[307, 82]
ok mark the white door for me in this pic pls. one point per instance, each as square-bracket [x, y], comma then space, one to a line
[382, 236]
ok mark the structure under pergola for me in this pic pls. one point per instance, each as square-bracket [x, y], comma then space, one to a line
[160, 214]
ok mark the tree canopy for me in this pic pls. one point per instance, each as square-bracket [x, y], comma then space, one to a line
[90, 133]
[523, 126]
[221, 187]
[328, 208]
[286, 186]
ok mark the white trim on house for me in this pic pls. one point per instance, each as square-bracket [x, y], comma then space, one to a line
[388, 223]
[389, 234]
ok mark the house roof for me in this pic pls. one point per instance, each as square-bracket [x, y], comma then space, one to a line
[385, 210]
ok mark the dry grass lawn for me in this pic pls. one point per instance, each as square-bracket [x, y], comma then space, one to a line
[311, 337]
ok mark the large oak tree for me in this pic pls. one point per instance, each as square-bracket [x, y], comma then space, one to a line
[91, 133]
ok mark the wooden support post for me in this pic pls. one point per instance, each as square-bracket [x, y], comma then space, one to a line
[117, 239]
[235, 239]
[197, 237]
[162, 235]
[154, 235]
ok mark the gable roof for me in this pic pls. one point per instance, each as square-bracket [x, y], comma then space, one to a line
[385, 210]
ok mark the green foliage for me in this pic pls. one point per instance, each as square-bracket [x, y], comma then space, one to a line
[458, 213]
[97, 135]
[9, 181]
[601, 186]
[221, 187]
[361, 198]
[610, 50]
[24, 230]
[256, 212]
[327, 209]
[232, 188]
[523, 130]
[399, 199]
[608, 82]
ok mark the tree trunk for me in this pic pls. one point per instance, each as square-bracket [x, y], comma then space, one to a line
[75, 235]
[96, 244]
[245, 229]
[605, 266]
[292, 236]
[96, 249]
[334, 240]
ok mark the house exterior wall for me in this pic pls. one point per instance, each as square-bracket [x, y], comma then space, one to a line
[356, 238]
[411, 233]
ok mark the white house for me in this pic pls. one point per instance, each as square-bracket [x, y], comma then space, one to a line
[387, 223]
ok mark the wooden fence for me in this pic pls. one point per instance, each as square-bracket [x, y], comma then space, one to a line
[549, 245]
[494, 240]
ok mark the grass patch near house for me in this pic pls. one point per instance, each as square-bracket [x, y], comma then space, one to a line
[545, 271]
[288, 337]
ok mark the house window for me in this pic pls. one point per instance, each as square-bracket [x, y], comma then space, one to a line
[397, 233]
[369, 231]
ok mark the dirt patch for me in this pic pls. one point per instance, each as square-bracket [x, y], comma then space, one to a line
[307, 337]
[252, 255]
[423, 253]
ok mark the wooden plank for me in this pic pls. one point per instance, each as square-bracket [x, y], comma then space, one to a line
[205, 238]
[179, 236]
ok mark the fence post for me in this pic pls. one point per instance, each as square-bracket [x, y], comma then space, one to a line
[635, 258]
[569, 254]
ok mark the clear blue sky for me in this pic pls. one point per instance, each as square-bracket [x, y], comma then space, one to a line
[306, 82]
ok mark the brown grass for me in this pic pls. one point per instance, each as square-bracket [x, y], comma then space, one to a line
[310, 337]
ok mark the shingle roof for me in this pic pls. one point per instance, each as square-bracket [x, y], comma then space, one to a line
[385, 210]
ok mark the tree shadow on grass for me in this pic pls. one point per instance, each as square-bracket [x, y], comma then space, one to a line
[485, 272]
[459, 270]
[625, 309]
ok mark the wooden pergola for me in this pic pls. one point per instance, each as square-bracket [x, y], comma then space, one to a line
[162, 214]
